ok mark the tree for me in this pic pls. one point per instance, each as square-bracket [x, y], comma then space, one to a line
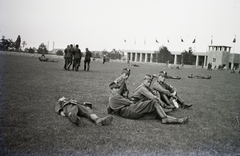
[188, 57]
[42, 49]
[114, 54]
[24, 43]
[163, 55]
[18, 43]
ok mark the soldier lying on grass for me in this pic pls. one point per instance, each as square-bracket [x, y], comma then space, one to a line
[168, 76]
[43, 58]
[199, 77]
[74, 110]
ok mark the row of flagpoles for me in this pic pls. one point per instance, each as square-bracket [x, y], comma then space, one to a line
[194, 40]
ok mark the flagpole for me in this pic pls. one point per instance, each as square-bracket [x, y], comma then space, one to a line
[180, 44]
[234, 44]
[195, 44]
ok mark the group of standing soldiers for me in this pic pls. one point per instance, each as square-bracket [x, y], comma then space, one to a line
[73, 56]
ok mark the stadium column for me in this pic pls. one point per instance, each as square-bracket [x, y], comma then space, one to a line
[140, 57]
[145, 57]
[131, 55]
[204, 61]
[197, 57]
[175, 59]
[151, 56]
[135, 57]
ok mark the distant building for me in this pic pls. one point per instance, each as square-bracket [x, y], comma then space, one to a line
[221, 55]
[217, 55]
[54, 51]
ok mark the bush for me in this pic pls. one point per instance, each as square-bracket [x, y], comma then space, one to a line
[59, 52]
[30, 50]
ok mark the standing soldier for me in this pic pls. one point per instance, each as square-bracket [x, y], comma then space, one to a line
[65, 57]
[87, 59]
[77, 58]
[104, 59]
[72, 51]
[69, 57]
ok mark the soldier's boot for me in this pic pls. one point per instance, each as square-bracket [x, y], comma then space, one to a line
[182, 103]
[172, 120]
[75, 119]
[104, 121]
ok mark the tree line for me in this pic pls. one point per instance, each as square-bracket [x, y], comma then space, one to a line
[163, 55]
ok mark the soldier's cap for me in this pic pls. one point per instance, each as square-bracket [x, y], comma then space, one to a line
[88, 104]
[113, 85]
[148, 77]
[61, 99]
[163, 72]
[126, 70]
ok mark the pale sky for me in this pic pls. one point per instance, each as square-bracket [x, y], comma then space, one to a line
[104, 24]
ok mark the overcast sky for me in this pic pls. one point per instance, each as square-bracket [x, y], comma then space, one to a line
[105, 24]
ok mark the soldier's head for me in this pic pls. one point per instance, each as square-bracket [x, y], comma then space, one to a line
[77, 46]
[163, 72]
[126, 73]
[161, 77]
[114, 87]
[147, 80]
[62, 99]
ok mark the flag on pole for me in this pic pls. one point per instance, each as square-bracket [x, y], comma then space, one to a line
[194, 40]
[157, 41]
[182, 40]
[234, 40]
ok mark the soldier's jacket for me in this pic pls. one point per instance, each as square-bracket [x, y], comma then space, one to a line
[69, 53]
[142, 93]
[88, 56]
[77, 54]
[161, 87]
[68, 105]
[122, 84]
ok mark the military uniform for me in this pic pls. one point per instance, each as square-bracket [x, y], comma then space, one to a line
[87, 59]
[128, 109]
[68, 105]
[74, 110]
[77, 59]
[166, 91]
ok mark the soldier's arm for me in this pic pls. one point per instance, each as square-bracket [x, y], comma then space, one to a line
[145, 92]
[160, 89]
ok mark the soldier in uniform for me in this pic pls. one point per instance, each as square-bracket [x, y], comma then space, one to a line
[198, 77]
[121, 81]
[77, 58]
[142, 108]
[168, 93]
[69, 56]
[168, 76]
[74, 110]
[43, 58]
[87, 59]
[65, 57]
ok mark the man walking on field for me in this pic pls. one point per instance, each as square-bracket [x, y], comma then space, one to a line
[87, 60]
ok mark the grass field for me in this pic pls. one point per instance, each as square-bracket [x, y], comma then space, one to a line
[29, 126]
